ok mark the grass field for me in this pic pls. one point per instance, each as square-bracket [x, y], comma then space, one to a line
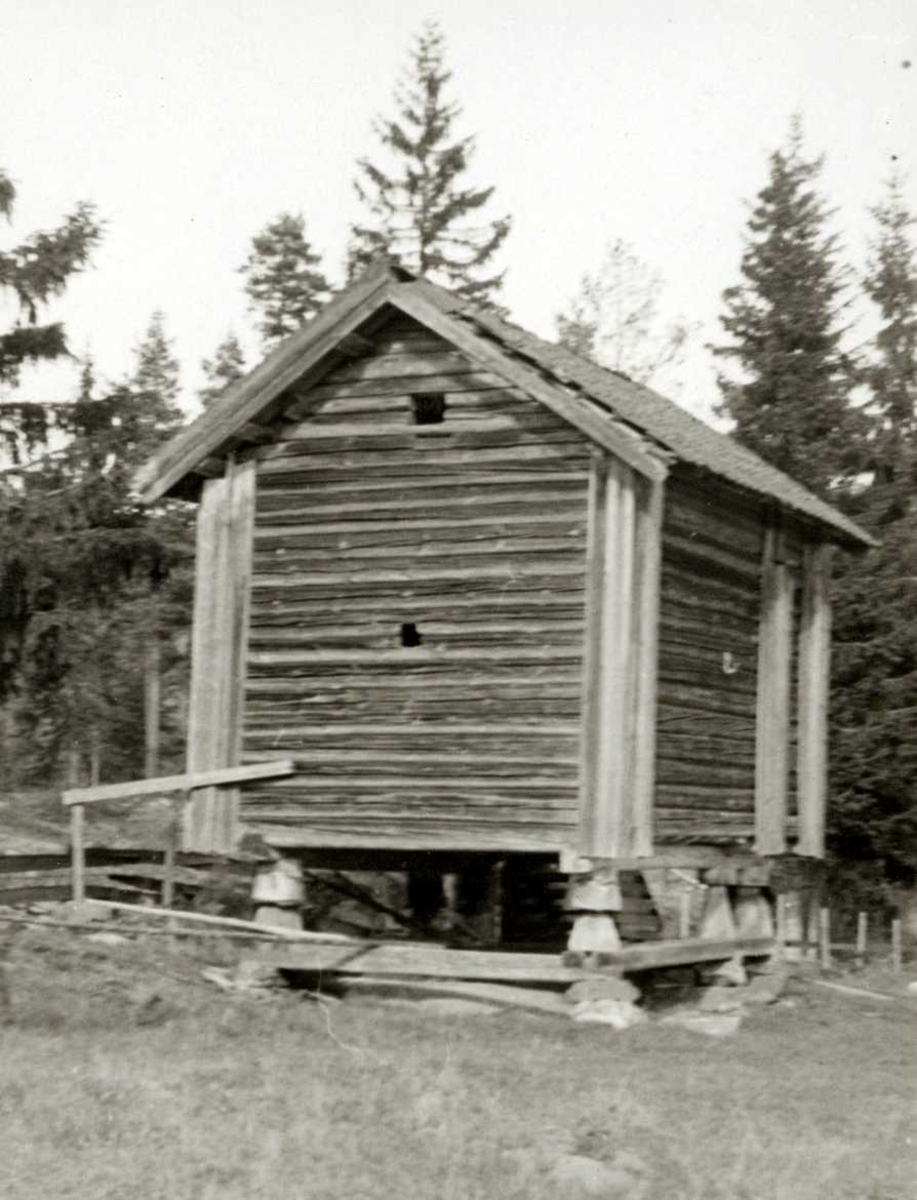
[124, 1075]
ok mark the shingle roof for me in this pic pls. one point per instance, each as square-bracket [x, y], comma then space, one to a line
[672, 427]
[631, 406]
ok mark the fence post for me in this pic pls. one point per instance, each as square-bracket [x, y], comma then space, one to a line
[824, 929]
[77, 854]
[684, 914]
[862, 927]
[896, 946]
[77, 851]
[168, 859]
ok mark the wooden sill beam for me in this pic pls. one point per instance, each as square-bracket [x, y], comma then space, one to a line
[441, 963]
[178, 783]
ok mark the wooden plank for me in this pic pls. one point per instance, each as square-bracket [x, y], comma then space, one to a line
[393, 960]
[497, 994]
[474, 837]
[204, 705]
[814, 679]
[196, 918]
[240, 565]
[307, 398]
[219, 639]
[593, 643]
[773, 703]
[602, 429]
[647, 612]
[436, 962]
[684, 951]
[609, 696]
[178, 783]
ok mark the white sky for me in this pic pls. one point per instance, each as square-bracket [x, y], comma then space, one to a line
[191, 123]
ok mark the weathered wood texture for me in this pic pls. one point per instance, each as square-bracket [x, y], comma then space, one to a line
[224, 541]
[774, 702]
[707, 682]
[813, 681]
[472, 532]
[622, 606]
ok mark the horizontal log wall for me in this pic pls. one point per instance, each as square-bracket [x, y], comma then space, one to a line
[473, 531]
[711, 591]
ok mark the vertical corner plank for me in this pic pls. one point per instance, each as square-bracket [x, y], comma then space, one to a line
[592, 648]
[222, 584]
[619, 664]
[649, 572]
[240, 570]
[772, 745]
[812, 718]
[203, 703]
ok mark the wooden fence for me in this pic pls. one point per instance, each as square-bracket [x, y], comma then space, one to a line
[177, 786]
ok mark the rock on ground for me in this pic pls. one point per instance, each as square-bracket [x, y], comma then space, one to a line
[620, 1014]
[621, 1179]
[605, 987]
[719, 999]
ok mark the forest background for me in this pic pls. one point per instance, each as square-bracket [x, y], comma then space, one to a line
[816, 366]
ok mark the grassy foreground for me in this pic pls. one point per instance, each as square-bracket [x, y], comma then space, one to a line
[124, 1075]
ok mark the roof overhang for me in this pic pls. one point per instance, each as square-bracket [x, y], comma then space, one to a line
[238, 418]
[568, 386]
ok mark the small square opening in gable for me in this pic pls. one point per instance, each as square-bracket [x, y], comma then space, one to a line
[429, 408]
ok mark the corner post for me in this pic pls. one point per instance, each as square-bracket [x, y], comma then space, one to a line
[812, 717]
[619, 692]
[773, 708]
[224, 553]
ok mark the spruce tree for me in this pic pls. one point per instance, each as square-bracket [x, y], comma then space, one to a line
[155, 383]
[226, 366]
[87, 577]
[31, 275]
[790, 402]
[283, 278]
[874, 698]
[418, 209]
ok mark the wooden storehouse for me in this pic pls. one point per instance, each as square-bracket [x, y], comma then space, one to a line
[493, 599]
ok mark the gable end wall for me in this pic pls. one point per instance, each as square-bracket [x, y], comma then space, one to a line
[473, 531]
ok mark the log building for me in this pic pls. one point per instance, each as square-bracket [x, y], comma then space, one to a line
[493, 599]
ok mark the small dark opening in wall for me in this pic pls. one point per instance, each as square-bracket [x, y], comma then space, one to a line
[429, 408]
[410, 634]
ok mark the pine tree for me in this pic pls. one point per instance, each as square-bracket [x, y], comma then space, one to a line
[418, 210]
[283, 278]
[32, 274]
[614, 318]
[791, 403]
[874, 697]
[226, 366]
